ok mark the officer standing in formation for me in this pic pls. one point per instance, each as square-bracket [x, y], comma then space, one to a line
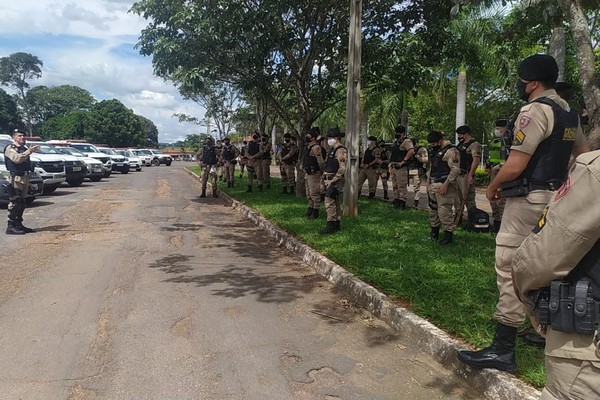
[289, 158]
[470, 157]
[402, 152]
[243, 158]
[208, 160]
[419, 166]
[368, 168]
[314, 162]
[265, 162]
[16, 158]
[563, 253]
[547, 133]
[334, 179]
[443, 189]
[229, 155]
[383, 170]
[501, 138]
[253, 162]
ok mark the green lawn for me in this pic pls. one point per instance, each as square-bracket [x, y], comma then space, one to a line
[452, 286]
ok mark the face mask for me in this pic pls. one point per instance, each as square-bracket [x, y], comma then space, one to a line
[331, 142]
[382, 145]
[522, 89]
[255, 137]
[461, 139]
[308, 138]
[286, 140]
[369, 143]
[498, 133]
[398, 137]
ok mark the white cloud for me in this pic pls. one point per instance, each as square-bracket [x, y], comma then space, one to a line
[88, 43]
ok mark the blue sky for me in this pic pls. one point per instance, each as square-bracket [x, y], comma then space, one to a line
[89, 43]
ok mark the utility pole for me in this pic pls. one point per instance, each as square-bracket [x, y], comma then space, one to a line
[350, 206]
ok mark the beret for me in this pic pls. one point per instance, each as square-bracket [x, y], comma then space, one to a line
[501, 122]
[538, 67]
[372, 138]
[461, 130]
[335, 132]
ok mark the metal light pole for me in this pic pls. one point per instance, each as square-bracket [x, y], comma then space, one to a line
[350, 206]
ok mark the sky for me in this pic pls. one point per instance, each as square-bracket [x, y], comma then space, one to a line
[90, 44]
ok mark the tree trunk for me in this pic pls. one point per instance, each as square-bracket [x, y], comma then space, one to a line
[586, 62]
[461, 100]
[557, 50]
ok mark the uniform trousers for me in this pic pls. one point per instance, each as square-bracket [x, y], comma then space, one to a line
[467, 192]
[400, 183]
[440, 206]
[333, 204]
[254, 170]
[521, 214]
[265, 165]
[497, 209]
[384, 175]
[419, 181]
[228, 171]
[288, 176]
[313, 190]
[17, 203]
[572, 379]
[368, 174]
[206, 171]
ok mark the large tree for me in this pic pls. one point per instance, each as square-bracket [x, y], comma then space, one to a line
[15, 71]
[9, 117]
[150, 130]
[110, 122]
[48, 102]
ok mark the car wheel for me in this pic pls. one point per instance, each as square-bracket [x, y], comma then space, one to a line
[75, 182]
[125, 170]
[50, 189]
[156, 162]
[139, 169]
[96, 178]
[106, 174]
[168, 162]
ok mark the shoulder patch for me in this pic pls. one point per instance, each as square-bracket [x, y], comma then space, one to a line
[542, 221]
[563, 190]
[524, 121]
[519, 138]
[569, 134]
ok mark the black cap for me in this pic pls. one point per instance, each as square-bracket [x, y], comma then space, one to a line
[461, 130]
[19, 131]
[434, 137]
[315, 131]
[335, 132]
[400, 129]
[501, 122]
[287, 136]
[538, 67]
[372, 138]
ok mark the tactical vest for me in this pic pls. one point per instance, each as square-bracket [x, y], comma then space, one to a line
[253, 148]
[332, 165]
[369, 157]
[397, 154]
[209, 155]
[266, 151]
[466, 159]
[384, 158]
[311, 165]
[550, 160]
[14, 168]
[227, 153]
[243, 150]
[439, 168]
[413, 163]
[285, 150]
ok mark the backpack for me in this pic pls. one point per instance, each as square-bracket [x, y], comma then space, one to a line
[478, 220]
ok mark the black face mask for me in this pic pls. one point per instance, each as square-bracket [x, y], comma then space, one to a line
[461, 139]
[287, 140]
[434, 148]
[522, 89]
[308, 138]
[255, 138]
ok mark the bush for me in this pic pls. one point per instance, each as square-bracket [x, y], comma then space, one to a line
[482, 177]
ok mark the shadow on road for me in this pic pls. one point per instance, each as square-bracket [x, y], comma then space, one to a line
[52, 228]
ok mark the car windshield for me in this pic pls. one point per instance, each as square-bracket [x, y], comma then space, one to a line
[87, 148]
[71, 151]
[106, 150]
[143, 152]
[44, 149]
[156, 151]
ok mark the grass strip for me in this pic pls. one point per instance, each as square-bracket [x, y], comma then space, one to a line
[453, 286]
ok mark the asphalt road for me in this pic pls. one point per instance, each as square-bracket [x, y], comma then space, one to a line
[134, 288]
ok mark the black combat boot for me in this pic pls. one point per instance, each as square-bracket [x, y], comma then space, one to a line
[13, 229]
[284, 190]
[269, 185]
[416, 203]
[500, 355]
[385, 195]
[396, 203]
[19, 224]
[291, 191]
[435, 233]
[447, 238]
[330, 228]
[249, 190]
[214, 192]
[371, 195]
[315, 213]
[309, 213]
[401, 204]
[260, 188]
[203, 194]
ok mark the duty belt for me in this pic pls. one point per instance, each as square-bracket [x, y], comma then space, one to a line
[328, 176]
[438, 180]
[18, 173]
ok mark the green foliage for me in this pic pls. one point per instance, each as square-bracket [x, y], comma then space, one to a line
[9, 118]
[482, 177]
[70, 126]
[150, 130]
[17, 69]
[453, 286]
[48, 102]
[111, 123]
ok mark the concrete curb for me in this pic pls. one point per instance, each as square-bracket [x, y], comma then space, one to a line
[442, 347]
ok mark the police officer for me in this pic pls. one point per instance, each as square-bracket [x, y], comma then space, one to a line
[470, 157]
[253, 162]
[370, 164]
[547, 133]
[219, 148]
[565, 246]
[16, 158]
[314, 162]
[265, 161]
[402, 152]
[383, 169]
[443, 190]
[334, 179]
[229, 154]
[498, 153]
[418, 170]
[243, 158]
[208, 160]
[289, 158]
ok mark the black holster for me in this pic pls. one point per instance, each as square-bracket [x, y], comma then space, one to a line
[518, 188]
[332, 192]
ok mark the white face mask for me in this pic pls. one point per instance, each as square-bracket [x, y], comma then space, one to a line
[369, 143]
[331, 142]
[498, 133]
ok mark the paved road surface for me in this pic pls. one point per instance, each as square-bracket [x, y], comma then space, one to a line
[135, 288]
